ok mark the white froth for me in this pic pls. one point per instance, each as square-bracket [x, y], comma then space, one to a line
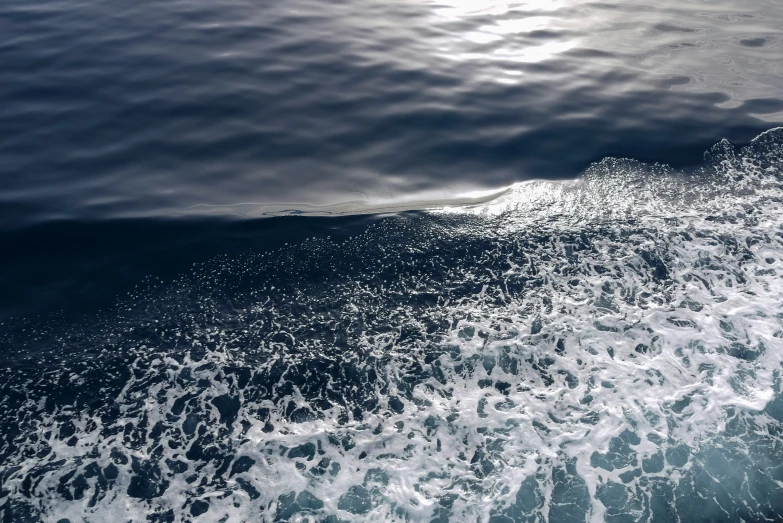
[638, 303]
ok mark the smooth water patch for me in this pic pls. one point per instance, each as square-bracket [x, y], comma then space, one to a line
[152, 109]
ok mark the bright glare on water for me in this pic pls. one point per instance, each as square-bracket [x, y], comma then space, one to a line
[161, 108]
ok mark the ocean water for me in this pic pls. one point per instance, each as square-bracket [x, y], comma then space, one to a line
[405, 261]
[157, 109]
[604, 349]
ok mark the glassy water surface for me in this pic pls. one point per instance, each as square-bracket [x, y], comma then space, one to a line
[391, 261]
[114, 109]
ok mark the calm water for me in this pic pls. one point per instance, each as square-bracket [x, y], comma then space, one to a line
[151, 108]
[533, 272]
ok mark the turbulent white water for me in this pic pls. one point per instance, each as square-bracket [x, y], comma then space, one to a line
[607, 349]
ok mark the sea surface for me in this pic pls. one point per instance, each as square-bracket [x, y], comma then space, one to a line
[437, 261]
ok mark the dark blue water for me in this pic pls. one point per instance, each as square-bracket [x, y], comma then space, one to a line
[151, 108]
[467, 260]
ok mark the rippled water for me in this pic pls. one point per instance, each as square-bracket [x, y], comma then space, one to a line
[111, 109]
[481, 311]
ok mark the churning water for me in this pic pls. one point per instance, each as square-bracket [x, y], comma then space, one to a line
[607, 348]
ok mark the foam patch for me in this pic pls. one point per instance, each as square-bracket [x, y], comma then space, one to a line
[607, 349]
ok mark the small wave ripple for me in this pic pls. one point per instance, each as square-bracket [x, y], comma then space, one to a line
[148, 109]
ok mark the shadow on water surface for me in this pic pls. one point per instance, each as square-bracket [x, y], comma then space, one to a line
[77, 267]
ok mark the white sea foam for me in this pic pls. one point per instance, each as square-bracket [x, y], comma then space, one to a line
[567, 351]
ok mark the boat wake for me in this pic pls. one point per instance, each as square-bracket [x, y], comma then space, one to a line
[607, 349]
